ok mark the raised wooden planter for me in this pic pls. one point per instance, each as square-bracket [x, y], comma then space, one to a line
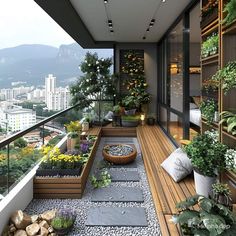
[65, 187]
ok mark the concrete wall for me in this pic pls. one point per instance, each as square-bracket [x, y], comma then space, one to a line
[150, 67]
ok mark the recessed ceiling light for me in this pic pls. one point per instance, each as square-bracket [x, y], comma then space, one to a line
[153, 21]
[163, 0]
[148, 29]
[105, 1]
[112, 31]
[144, 37]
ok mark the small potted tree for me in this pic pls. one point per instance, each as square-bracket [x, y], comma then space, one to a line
[74, 130]
[207, 155]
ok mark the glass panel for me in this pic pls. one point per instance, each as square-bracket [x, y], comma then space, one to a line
[176, 67]
[176, 127]
[163, 118]
[3, 172]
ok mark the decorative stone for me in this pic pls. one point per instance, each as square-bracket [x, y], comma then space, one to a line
[43, 231]
[117, 216]
[32, 229]
[124, 176]
[20, 233]
[50, 229]
[34, 218]
[48, 215]
[44, 224]
[20, 219]
[12, 228]
[117, 194]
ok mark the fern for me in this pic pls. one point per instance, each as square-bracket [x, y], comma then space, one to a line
[230, 9]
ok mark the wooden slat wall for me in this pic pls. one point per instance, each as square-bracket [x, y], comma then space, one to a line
[156, 147]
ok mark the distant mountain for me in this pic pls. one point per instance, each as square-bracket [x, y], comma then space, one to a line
[31, 63]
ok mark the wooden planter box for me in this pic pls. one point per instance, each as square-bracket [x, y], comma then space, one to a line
[65, 187]
[209, 18]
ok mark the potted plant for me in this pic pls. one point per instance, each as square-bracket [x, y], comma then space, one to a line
[230, 10]
[63, 222]
[221, 195]
[207, 155]
[151, 120]
[131, 103]
[208, 109]
[74, 129]
[229, 119]
[210, 46]
[211, 219]
[209, 12]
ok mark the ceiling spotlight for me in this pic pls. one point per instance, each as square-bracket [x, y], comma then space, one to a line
[163, 0]
[153, 21]
[105, 1]
[112, 31]
[144, 37]
[148, 30]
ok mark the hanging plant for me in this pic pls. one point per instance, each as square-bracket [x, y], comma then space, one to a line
[230, 9]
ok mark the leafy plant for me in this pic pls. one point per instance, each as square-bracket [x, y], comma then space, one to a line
[211, 219]
[96, 83]
[20, 143]
[74, 128]
[130, 117]
[230, 9]
[130, 102]
[210, 45]
[229, 118]
[226, 77]
[221, 188]
[207, 154]
[208, 109]
[103, 180]
[116, 109]
[64, 219]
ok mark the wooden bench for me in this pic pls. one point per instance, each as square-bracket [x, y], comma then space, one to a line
[156, 147]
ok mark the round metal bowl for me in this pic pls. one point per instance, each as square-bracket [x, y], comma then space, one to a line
[124, 159]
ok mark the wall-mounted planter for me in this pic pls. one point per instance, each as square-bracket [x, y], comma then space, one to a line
[209, 18]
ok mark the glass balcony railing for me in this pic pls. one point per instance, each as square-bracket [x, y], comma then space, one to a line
[20, 152]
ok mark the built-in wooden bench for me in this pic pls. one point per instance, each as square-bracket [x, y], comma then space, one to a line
[156, 147]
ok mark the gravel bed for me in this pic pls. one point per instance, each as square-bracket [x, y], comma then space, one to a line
[82, 205]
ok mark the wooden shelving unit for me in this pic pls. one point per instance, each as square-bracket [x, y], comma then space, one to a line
[226, 53]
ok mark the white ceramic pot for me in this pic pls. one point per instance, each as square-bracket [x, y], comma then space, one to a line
[203, 184]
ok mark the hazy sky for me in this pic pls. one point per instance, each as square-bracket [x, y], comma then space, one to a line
[24, 22]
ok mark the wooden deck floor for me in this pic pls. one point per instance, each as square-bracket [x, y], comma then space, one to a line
[156, 147]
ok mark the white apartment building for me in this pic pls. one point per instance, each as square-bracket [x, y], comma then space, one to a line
[36, 95]
[16, 118]
[12, 93]
[56, 99]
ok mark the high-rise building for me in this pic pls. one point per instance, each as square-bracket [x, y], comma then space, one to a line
[16, 118]
[56, 99]
[50, 87]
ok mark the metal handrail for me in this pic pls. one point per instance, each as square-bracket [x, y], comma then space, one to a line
[19, 134]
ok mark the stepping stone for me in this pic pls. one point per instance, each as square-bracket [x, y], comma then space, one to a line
[130, 165]
[117, 194]
[124, 176]
[117, 216]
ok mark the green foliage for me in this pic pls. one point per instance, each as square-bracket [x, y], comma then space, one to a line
[116, 109]
[136, 83]
[226, 77]
[209, 7]
[20, 143]
[229, 119]
[131, 117]
[207, 154]
[96, 83]
[210, 46]
[221, 188]
[208, 109]
[230, 9]
[101, 181]
[64, 219]
[211, 219]
[55, 140]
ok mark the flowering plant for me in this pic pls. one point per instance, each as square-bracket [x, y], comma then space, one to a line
[74, 128]
[64, 219]
[230, 159]
[54, 159]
